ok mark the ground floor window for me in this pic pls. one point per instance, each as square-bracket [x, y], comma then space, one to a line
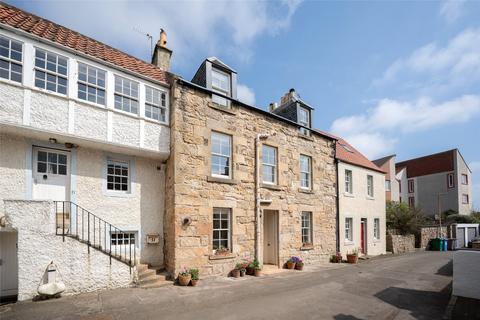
[221, 228]
[348, 229]
[306, 227]
[118, 175]
[122, 238]
[376, 228]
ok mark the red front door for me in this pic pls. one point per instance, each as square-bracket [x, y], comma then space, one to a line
[362, 237]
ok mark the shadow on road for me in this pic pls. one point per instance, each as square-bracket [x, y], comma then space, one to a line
[446, 270]
[421, 304]
[345, 317]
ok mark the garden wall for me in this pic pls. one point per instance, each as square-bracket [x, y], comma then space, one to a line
[400, 243]
[424, 235]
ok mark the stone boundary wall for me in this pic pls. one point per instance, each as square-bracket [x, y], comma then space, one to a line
[400, 243]
[422, 238]
[38, 245]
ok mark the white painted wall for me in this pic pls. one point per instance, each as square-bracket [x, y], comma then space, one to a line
[360, 205]
[38, 246]
[466, 278]
[462, 168]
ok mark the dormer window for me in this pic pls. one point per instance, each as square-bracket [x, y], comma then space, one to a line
[304, 120]
[221, 84]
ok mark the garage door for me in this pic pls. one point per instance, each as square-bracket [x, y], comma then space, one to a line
[8, 265]
[472, 233]
[461, 237]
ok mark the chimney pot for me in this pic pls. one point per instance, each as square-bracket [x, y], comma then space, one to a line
[162, 54]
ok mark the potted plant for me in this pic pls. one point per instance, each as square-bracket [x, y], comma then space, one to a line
[291, 263]
[353, 256]
[184, 277]
[299, 264]
[243, 268]
[250, 270]
[336, 258]
[194, 275]
[236, 271]
[257, 269]
[222, 251]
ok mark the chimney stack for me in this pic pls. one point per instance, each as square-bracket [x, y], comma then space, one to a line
[288, 97]
[161, 54]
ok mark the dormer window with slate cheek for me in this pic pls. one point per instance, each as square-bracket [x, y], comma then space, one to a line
[221, 84]
[304, 120]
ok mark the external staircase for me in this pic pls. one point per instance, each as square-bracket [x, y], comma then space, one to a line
[152, 277]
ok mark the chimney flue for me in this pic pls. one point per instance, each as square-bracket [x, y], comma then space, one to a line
[162, 55]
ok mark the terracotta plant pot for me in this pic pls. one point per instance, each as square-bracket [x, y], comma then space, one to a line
[235, 273]
[194, 283]
[299, 267]
[258, 273]
[352, 258]
[290, 265]
[184, 280]
[242, 272]
[250, 271]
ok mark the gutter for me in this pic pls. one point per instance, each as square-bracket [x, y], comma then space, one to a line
[258, 212]
[337, 201]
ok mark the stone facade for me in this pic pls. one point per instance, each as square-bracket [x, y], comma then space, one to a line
[192, 192]
[397, 243]
[422, 238]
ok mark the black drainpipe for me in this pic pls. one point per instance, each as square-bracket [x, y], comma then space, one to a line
[337, 201]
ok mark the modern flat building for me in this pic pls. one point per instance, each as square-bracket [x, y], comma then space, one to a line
[436, 183]
[392, 183]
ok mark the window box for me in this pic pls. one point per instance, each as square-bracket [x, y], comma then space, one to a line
[222, 257]
[307, 247]
[221, 180]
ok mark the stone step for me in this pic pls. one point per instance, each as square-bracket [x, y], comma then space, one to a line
[146, 273]
[156, 284]
[152, 279]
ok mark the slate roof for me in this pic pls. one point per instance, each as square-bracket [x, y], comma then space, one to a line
[434, 163]
[27, 22]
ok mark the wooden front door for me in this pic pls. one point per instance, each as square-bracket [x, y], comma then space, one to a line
[363, 235]
[270, 237]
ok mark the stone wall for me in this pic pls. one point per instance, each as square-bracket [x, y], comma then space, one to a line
[196, 193]
[38, 245]
[422, 238]
[397, 243]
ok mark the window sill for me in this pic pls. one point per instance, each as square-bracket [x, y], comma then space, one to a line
[307, 247]
[219, 107]
[370, 198]
[270, 186]
[221, 180]
[348, 243]
[221, 257]
[307, 191]
[346, 194]
[303, 136]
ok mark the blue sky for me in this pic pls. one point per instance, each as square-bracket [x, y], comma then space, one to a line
[391, 77]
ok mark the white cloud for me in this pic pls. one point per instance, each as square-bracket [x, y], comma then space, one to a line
[194, 27]
[451, 10]
[458, 60]
[375, 132]
[246, 94]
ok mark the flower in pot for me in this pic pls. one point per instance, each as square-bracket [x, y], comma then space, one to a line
[336, 258]
[299, 264]
[194, 273]
[184, 277]
[250, 270]
[257, 269]
[236, 272]
[352, 257]
[291, 263]
[243, 268]
[222, 251]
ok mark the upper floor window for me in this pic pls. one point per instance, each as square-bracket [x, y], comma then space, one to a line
[221, 154]
[465, 199]
[411, 186]
[348, 182]
[411, 202]
[464, 179]
[306, 227]
[388, 185]
[221, 84]
[305, 172]
[269, 163]
[91, 84]
[117, 175]
[126, 95]
[370, 185]
[450, 180]
[50, 71]
[155, 104]
[376, 228]
[304, 120]
[10, 59]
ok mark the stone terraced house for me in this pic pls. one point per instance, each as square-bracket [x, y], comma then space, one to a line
[119, 171]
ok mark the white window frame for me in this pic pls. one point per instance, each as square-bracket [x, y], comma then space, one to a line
[464, 179]
[47, 72]
[370, 186]
[306, 122]
[218, 99]
[376, 228]
[388, 185]
[219, 239]
[228, 157]
[96, 86]
[114, 240]
[348, 181]
[273, 166]
[123, 95]
[308, 180]
[307, 226]
[163, 106]
[349, 229]
[465, 199]
[113, 161]
[11, 61]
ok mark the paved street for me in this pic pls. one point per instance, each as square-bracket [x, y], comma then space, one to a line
[412, 286]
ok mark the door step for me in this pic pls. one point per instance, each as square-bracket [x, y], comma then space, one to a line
[152, 277]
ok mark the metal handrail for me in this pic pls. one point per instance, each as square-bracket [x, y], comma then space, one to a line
[91, 228]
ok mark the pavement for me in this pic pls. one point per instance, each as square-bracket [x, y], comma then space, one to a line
[410, 286]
